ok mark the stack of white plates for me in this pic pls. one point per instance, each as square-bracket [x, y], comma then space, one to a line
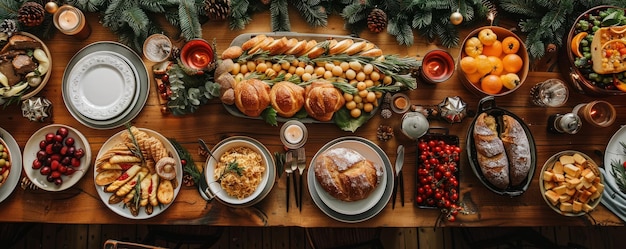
[357, 211]
[105, 85]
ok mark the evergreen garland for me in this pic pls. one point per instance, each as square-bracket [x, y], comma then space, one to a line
[547, 22]
[431, 19]
[315, 12]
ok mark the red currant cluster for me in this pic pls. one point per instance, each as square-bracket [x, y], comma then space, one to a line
[437, 174]
[164, 87]
[58, 156]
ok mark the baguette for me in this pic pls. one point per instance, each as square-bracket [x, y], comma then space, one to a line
[517, 149]
[490, 151]
[252, 42]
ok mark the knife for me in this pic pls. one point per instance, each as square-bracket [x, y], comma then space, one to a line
[399, 179]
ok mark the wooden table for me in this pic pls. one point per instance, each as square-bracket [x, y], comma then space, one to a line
[81, 204]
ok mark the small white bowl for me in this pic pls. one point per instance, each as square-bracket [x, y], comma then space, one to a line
[30, 154]
[215, 190]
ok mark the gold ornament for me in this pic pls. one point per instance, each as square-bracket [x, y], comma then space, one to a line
[52, 7]
[456, 18]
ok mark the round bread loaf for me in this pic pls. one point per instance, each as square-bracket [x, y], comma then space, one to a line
[345, 174]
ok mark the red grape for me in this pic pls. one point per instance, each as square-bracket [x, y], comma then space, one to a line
[58, 156]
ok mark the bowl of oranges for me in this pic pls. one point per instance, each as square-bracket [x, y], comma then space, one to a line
[493, 61]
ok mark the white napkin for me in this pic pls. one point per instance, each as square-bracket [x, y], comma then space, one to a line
[612, 198]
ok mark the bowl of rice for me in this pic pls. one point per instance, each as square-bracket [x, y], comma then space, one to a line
[241, 173]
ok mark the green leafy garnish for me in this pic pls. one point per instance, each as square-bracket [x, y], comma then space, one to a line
[232, 167]
[136, 150]
[190, 168]
[269, 115]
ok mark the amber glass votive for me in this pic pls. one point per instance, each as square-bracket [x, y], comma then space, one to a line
[197, 54]
[71, 21]
[437, 66]
[599, 113]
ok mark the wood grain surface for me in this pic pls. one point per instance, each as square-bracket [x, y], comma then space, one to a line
[81, 204]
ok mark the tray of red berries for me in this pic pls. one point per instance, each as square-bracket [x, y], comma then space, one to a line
[437, 178]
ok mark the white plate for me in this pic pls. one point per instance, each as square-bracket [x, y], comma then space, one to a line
[141, 79]
[16, 165]
[102, 85]
[380, 204]
[360, 206]
[30, 154]
[119, 208]
[615, 152]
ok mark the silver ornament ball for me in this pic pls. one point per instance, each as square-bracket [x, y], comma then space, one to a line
[456, 18]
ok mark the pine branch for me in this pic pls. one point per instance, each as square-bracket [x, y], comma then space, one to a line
[156, 6]
[239, 17]
[90, 5]
[8, 8]
[189, 24]
[314, 14]
[279, 13]
[137, 20]
[399, 28]
[354, 13]
[522, 7]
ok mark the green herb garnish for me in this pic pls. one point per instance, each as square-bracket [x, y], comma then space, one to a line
[232, 167]
[136, 150]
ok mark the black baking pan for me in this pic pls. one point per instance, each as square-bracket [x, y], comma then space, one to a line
[488, 105]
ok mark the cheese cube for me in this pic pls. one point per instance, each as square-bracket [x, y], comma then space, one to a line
[547, 175]
[577, 206]
[552, 196]
[548, 184]
[572, 170]
[558, 168]
[565, 207]
[579, 159]
[564, 198]
[570, 192]
[586, 184]
[599, 188]
[560, 189]
[584, 196]
[572, 183]
[566, 159]
[588, 175]
[559, 177]
[587, 208]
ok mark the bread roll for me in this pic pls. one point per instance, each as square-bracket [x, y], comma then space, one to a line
[490, 151]
[345, 174]
[517, 149]
[232, 52]
[252, 96]
[322, 100]
[287, 98]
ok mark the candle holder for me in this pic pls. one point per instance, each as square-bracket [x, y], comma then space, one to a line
[599, 113]
[293, 134]
[437, 66]
[71, 21]
[197, 54]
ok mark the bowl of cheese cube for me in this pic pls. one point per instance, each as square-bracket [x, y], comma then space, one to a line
[571, 183]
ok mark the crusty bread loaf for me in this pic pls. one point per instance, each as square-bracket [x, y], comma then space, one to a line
[287, 98]
[252, 96]
[345, 174]
[253, 42]
[517, 149]
[490, 151]
[322, 100]
[232, 52]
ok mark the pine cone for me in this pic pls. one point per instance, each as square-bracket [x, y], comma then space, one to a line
[377, 20]
[8, 26]
[31, 14]
[217, 9]
[384, 132]
[188, 180]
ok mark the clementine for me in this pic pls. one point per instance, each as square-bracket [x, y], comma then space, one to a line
[494, 49]
[496, 65]
[512, 63]
[491, 84]
[510, 45]
[468, 65]
[483, 64]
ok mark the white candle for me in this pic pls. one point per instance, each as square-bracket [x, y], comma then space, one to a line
[294, 134]
[68, 20]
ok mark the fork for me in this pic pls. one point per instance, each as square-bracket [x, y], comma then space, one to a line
[294, 168]
[301, 167]
[288, 160]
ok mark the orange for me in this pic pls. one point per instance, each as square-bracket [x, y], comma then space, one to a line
[494, 49]
[473, 47]
[510, 45]
[496, 65]
[491, 84]
[512, 63]
[483, 64]
[468, 65]
[474, 78]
